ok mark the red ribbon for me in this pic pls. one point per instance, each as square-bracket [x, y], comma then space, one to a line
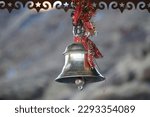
[91, 48]
[83, 12]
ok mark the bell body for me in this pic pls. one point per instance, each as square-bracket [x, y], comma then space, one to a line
[75, 66]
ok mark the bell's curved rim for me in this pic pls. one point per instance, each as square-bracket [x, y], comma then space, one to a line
[87, 78]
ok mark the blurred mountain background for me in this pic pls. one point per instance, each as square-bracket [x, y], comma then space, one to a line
[31, 47]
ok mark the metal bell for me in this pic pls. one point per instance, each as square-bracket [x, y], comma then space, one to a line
[75, 70]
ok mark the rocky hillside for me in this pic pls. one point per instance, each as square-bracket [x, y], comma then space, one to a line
[31, 47]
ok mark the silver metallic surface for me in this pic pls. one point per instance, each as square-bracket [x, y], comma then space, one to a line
[75, 68]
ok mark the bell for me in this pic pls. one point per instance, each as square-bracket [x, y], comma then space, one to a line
[75, 69]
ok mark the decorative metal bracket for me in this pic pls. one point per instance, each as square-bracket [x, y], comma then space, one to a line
[39, 5]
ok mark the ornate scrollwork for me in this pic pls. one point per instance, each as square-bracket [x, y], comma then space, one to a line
[72, 5]
[102, 5]
[30, 4]
[57, 4]
[67, 4]
[47, 5]
[113, 5]
[130, 6]
[18, 5]
[2, 4]
[141, 5]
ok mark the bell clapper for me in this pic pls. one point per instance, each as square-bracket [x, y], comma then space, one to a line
[80, 83]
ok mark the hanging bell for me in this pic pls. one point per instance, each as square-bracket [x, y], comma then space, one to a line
[75, 69]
